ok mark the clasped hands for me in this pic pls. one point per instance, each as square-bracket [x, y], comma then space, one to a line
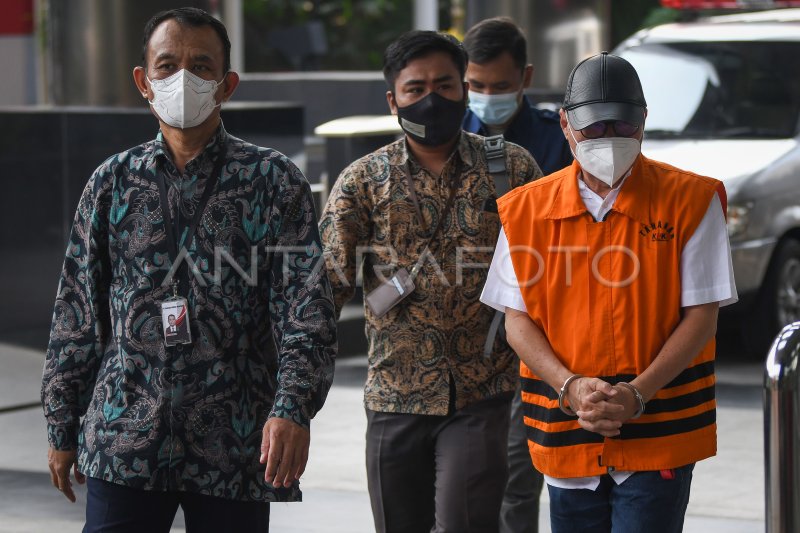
[601, 407]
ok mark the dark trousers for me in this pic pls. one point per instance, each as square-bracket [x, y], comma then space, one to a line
[438, 474]
[114, 508]
[520, 510]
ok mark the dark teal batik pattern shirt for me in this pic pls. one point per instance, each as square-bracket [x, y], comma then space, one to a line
[189, 417]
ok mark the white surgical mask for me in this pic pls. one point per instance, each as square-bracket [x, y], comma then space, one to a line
[607, 158]
[494, 109]
[184, 100]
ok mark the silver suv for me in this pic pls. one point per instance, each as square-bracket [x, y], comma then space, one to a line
[723, 98]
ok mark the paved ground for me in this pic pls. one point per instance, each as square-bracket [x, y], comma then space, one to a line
[727, 494]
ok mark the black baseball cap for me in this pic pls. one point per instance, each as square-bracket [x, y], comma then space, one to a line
[604, 87]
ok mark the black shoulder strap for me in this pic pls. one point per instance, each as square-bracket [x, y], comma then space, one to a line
[495, 148]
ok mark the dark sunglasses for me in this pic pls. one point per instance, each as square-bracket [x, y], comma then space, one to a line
[621, 128]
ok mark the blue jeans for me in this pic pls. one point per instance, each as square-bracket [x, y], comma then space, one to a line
[114, 508]
[643, 502]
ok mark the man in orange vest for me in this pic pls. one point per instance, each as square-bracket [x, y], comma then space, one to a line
[611, 273]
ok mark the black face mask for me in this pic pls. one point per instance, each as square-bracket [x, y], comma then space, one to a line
[432, 121]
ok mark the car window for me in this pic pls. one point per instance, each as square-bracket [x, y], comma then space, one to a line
[719, 89]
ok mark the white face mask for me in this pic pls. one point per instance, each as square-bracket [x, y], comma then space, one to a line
[494, 109]
[184, 100]
[607, 158]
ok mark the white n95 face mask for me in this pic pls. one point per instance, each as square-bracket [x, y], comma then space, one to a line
[607, 158]
[493, 109]
[184, 100]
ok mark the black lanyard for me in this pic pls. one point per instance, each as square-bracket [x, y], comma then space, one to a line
[170, 227]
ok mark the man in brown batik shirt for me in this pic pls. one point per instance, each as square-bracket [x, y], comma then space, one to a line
[437, 407]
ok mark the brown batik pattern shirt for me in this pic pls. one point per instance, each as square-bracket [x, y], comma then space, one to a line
[439, 330]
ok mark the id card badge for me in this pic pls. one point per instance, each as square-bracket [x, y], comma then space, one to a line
[175, 320]
[390, 293]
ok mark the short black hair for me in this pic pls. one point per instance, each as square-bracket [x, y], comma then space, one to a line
[489, 38]
[187, 16]
[418, 43]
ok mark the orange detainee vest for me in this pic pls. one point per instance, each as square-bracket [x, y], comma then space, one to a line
[607, 295]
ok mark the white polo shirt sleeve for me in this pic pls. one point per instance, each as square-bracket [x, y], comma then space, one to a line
[706, 265]
[501, 289]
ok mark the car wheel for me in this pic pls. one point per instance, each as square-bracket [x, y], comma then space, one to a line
[779, 300]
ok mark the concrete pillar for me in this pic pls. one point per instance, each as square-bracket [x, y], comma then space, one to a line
[426, 15]
[233, 18]
[91, 47]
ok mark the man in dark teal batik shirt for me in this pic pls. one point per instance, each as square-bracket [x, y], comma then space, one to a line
[220, 234]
